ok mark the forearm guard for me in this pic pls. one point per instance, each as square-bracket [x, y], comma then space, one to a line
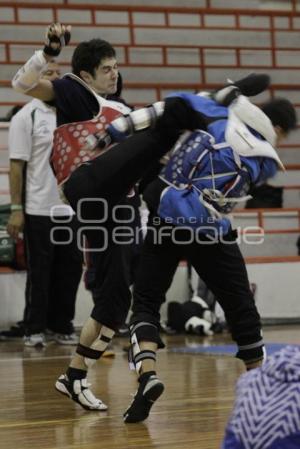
[28, 76]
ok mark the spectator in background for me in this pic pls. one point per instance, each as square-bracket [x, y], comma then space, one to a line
[54, 269]
[11, 113]
[266, 413]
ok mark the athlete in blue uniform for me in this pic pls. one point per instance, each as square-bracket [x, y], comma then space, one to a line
[209, 171]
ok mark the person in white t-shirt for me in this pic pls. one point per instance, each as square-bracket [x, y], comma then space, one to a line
[54, 269]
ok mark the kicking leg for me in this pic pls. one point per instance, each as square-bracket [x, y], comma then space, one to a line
[111, 175]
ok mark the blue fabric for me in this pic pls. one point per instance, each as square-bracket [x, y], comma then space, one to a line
[117, 136]
[266, 413]
[197, 159]
[231, 442]
[268, 169]
[185, 209]
[290, 442]
[185, 159]
[271, 348]
[217, 129]
[204, 105]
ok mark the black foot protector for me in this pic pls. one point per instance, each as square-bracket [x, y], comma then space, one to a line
[150, 389]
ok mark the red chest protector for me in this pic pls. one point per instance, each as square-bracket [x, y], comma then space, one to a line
[69, 140]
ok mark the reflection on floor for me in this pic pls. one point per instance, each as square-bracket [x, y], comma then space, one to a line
[191, 413]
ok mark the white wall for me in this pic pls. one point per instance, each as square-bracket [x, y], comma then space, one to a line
[278, 294]
[12, 287]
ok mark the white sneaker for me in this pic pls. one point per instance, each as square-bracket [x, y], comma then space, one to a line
[79, 392]
[66, 339]
[35, 341]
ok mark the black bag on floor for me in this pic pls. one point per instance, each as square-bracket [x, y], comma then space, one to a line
[7, 244]
[11, 251]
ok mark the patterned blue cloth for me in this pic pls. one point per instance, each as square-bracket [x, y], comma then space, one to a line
[266, 414]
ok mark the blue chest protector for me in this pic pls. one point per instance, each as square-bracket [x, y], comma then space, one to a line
[205, 176]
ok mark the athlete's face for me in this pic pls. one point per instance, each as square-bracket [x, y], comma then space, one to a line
[52, 73]
[105, 78]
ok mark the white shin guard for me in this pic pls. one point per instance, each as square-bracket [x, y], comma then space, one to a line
[100, 344]
[135, 121]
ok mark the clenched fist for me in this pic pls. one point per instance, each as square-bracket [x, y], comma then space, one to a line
[57, 36]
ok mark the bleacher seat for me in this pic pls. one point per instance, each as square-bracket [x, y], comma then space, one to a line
[163, 47]
[169, 47]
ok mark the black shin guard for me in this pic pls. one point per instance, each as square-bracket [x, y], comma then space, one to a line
[143, 332]
[251, 353]
[75, 374]
[90, 353]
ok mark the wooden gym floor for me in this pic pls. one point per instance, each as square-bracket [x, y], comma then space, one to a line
[191, 414]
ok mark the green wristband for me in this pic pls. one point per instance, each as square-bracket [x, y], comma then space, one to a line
[15, 207]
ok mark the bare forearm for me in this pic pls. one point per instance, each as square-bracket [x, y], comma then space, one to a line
[16, 181]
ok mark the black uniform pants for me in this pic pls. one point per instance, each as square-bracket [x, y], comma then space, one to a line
[111, 272]
[53, 275]
[94, 191]
[219, 264]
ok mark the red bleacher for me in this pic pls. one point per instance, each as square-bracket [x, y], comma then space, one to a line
[167, 48]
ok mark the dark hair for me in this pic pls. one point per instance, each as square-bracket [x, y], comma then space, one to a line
[89, 54]
[282, 113]
[11, 113]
